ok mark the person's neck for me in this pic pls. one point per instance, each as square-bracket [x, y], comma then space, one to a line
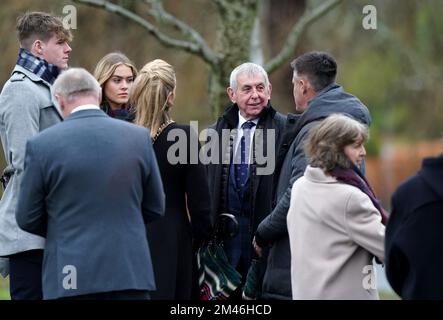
[311, 95]
[81, 101]
[35, 54]
[248, 118]
[40, 58]
[115, 106]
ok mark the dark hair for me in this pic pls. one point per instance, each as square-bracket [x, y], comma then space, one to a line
[319, 67]
[42, 26]
[326, 143]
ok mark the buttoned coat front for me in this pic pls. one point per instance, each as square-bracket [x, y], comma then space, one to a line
[27, 107]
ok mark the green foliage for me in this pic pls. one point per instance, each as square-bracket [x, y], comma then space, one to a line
[373, 146]
[362, 77]
[428, 29]
[388, 295]
[4, 289]
[4, 294]
[424, 30]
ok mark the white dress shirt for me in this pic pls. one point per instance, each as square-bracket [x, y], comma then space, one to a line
[85, 107]
[242, 120]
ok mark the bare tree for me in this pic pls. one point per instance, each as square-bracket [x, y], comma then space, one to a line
[236, 20]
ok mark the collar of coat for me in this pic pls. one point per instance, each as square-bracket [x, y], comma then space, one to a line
[231, 114]
[37, 66]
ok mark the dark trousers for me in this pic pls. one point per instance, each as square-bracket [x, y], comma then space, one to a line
[239, 249]
[25, 275]
[113, 295]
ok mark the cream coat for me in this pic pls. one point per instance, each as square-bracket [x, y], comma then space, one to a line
[334, 231]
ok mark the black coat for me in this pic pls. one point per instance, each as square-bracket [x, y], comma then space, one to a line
[273, 230]
[171, 238]
[414, 234]
[262, 186]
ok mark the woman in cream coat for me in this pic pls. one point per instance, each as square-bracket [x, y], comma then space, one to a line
[334, 220]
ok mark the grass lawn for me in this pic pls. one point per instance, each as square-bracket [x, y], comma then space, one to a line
[4, 289]
[388, 295]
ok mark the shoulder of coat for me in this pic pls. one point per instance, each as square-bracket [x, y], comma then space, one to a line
[17, 76]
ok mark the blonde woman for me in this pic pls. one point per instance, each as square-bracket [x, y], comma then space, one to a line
[172, 238]
[335, 223]
[116, 74]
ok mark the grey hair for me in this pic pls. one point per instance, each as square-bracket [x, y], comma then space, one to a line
[250, 69]
[326, 142]
[76, 82]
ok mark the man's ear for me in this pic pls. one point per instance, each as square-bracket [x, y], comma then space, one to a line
[304, 85]
[60, 100]
[37, 48]
[270, 90]
[231, 94]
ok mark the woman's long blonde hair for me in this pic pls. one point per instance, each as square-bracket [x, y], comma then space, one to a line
[106, 67]
[150, 94]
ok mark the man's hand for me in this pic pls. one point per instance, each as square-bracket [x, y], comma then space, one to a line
[257, 248]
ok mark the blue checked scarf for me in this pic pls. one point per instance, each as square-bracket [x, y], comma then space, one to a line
[39, 67]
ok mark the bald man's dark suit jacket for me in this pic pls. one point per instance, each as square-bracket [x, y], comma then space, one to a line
[90, 185]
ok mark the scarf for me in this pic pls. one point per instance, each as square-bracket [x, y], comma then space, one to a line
[354, 177]
[39, 67]
[127, 113]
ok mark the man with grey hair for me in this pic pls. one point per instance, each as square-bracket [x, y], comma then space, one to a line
[238, 187]
[77, 86]
[90, 185]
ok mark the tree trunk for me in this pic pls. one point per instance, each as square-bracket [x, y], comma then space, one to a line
[236, 19]
[217, 92]
[233, 42]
